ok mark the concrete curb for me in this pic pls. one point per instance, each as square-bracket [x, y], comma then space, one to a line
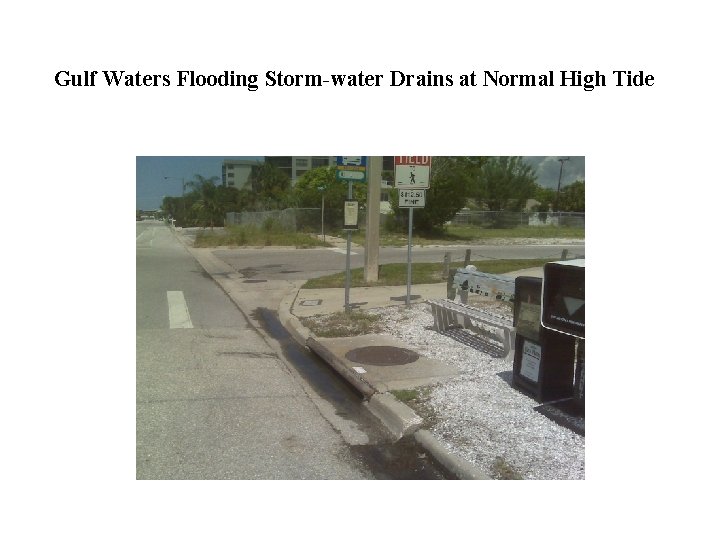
[462, 469]
[400, 419]
[346, 373]
[397, 417]
[290, 322]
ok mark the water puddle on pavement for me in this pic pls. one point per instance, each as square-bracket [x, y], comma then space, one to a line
[404, 459]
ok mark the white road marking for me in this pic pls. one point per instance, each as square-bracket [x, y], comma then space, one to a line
[178, 310]
[142, 238]
[341, 250]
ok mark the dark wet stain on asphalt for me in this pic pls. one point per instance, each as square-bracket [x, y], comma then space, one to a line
[403, 460]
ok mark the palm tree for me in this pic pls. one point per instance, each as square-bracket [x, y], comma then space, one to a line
[172, 207]
[208, 206]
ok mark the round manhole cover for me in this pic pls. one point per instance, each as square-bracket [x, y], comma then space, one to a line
[382, 355]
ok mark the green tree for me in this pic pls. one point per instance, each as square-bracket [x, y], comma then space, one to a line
[311, 186]
[173, 207]
[545, 197]
[505, 183]
[209, 202]
[246, 200]
[270, 186]
[572, 197]
[228, 196]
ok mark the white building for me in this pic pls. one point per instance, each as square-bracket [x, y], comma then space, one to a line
[296, 166]
[236, 172]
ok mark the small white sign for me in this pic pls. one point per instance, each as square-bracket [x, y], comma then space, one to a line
[351, 214]
[351, 175]
[530, 365]
[359, 369]
[411, 198]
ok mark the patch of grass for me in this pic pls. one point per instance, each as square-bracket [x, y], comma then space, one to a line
[396, 273]
[501, 470]
[388, 274]
[418, 399]
[342, 324]
[405, 395]
[267, 235]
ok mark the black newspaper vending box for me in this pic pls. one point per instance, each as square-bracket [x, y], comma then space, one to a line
[563, 297]
[563, 314]
[543, 364]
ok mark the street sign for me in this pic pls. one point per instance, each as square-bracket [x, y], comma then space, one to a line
[355, 176]
[412, 172]
[411, 198]
[351, 168]
[348, 162]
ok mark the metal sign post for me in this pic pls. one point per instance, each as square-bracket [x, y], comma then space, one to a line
[412, 178]
[409, 269]
[349, 168]
[347, 255]
[322, 211]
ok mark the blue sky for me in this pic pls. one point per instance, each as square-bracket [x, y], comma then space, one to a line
[150, 185]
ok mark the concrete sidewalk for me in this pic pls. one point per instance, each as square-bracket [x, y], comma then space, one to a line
[310, 302]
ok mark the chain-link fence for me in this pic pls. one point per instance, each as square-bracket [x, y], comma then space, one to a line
[311, 220]
[508, 220]
[291, 219]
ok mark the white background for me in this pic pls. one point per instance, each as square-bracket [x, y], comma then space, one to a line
[69, 163]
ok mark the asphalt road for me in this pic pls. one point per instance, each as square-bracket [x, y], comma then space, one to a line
[287, 263]
[214, 399]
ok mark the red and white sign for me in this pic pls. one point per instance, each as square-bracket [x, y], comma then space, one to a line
[423, 161]
[412, 172]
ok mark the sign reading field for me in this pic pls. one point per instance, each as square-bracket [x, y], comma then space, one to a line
[412, 172]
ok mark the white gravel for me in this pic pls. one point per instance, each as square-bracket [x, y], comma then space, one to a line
[480, 417]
